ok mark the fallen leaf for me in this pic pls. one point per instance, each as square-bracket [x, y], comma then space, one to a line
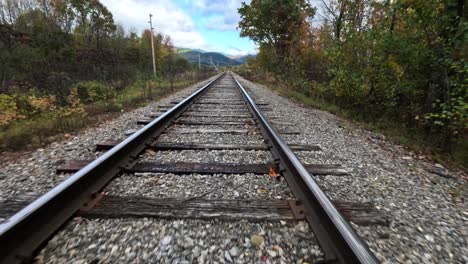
[252, 131]
[151, 152]
[273, 171]
[155, 179]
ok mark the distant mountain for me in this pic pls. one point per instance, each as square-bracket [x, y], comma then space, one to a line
[183, 50]
[243, 58]
[206, 57]
[199, 50]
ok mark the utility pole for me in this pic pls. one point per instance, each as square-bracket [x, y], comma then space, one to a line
[198, 75]
[152, 44]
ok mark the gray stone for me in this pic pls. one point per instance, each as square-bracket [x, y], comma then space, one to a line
[234, 251]
[166, 240]
[185, 242]
[196, 251]
[227, 256]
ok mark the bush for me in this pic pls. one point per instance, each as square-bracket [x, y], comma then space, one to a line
[8, 109]
[92, 91]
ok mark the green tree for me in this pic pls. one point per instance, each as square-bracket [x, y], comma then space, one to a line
[275, 24]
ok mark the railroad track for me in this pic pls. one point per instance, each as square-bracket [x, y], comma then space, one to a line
[222, 106]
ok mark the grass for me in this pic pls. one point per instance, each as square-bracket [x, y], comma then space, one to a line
[413, 139]
[25, 134]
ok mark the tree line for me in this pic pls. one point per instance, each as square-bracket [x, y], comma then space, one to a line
[401, 61]
[51, 44]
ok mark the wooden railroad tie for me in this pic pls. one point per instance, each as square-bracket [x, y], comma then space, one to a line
[207, 168]
[235, 131]
[207, 146]
[110, 206]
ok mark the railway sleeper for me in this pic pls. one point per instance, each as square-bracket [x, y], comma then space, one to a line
[235, 131]
[208, 168]
[206, 146]
[111, 206]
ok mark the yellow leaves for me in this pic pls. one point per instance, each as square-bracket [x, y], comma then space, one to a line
[395, 66]
[73, 98]
[8, 110]
[76, 107]
[41, 104]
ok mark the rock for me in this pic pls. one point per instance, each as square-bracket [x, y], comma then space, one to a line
[212, 249]
[439, 170]
[234, 251]
[131, 256]
[196, 251]
[92, 246]
[185, 242]
[256, 240]
[227, 256]
[130, 132]
[114, 249]
[247, 242]
[378, 136]
[256, 229]
[429, 238]
[165, 240]
[279, 250]
[272, 253]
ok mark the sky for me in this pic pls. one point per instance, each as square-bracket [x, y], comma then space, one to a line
[209, 25]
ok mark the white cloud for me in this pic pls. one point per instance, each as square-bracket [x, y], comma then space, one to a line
[221, 23]
[222, 14]
[168, 19]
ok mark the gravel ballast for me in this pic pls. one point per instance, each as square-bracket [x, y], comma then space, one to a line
[181, 241]
[217, 186]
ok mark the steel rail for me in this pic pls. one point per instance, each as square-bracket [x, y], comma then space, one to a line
[337, 238]
[26, 231]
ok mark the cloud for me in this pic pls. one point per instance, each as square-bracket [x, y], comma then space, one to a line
[221, 14]
[234, 48]
[168, 19]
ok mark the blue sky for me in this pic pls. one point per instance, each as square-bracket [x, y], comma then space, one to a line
[204, 24]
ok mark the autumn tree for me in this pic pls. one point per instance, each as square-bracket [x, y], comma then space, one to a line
[275, 25]
[393, 61]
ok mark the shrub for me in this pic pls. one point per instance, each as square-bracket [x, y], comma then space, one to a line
[92, 91]
[8, 109]
[42, 104]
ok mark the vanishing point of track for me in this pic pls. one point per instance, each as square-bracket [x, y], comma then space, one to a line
[29, 229]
